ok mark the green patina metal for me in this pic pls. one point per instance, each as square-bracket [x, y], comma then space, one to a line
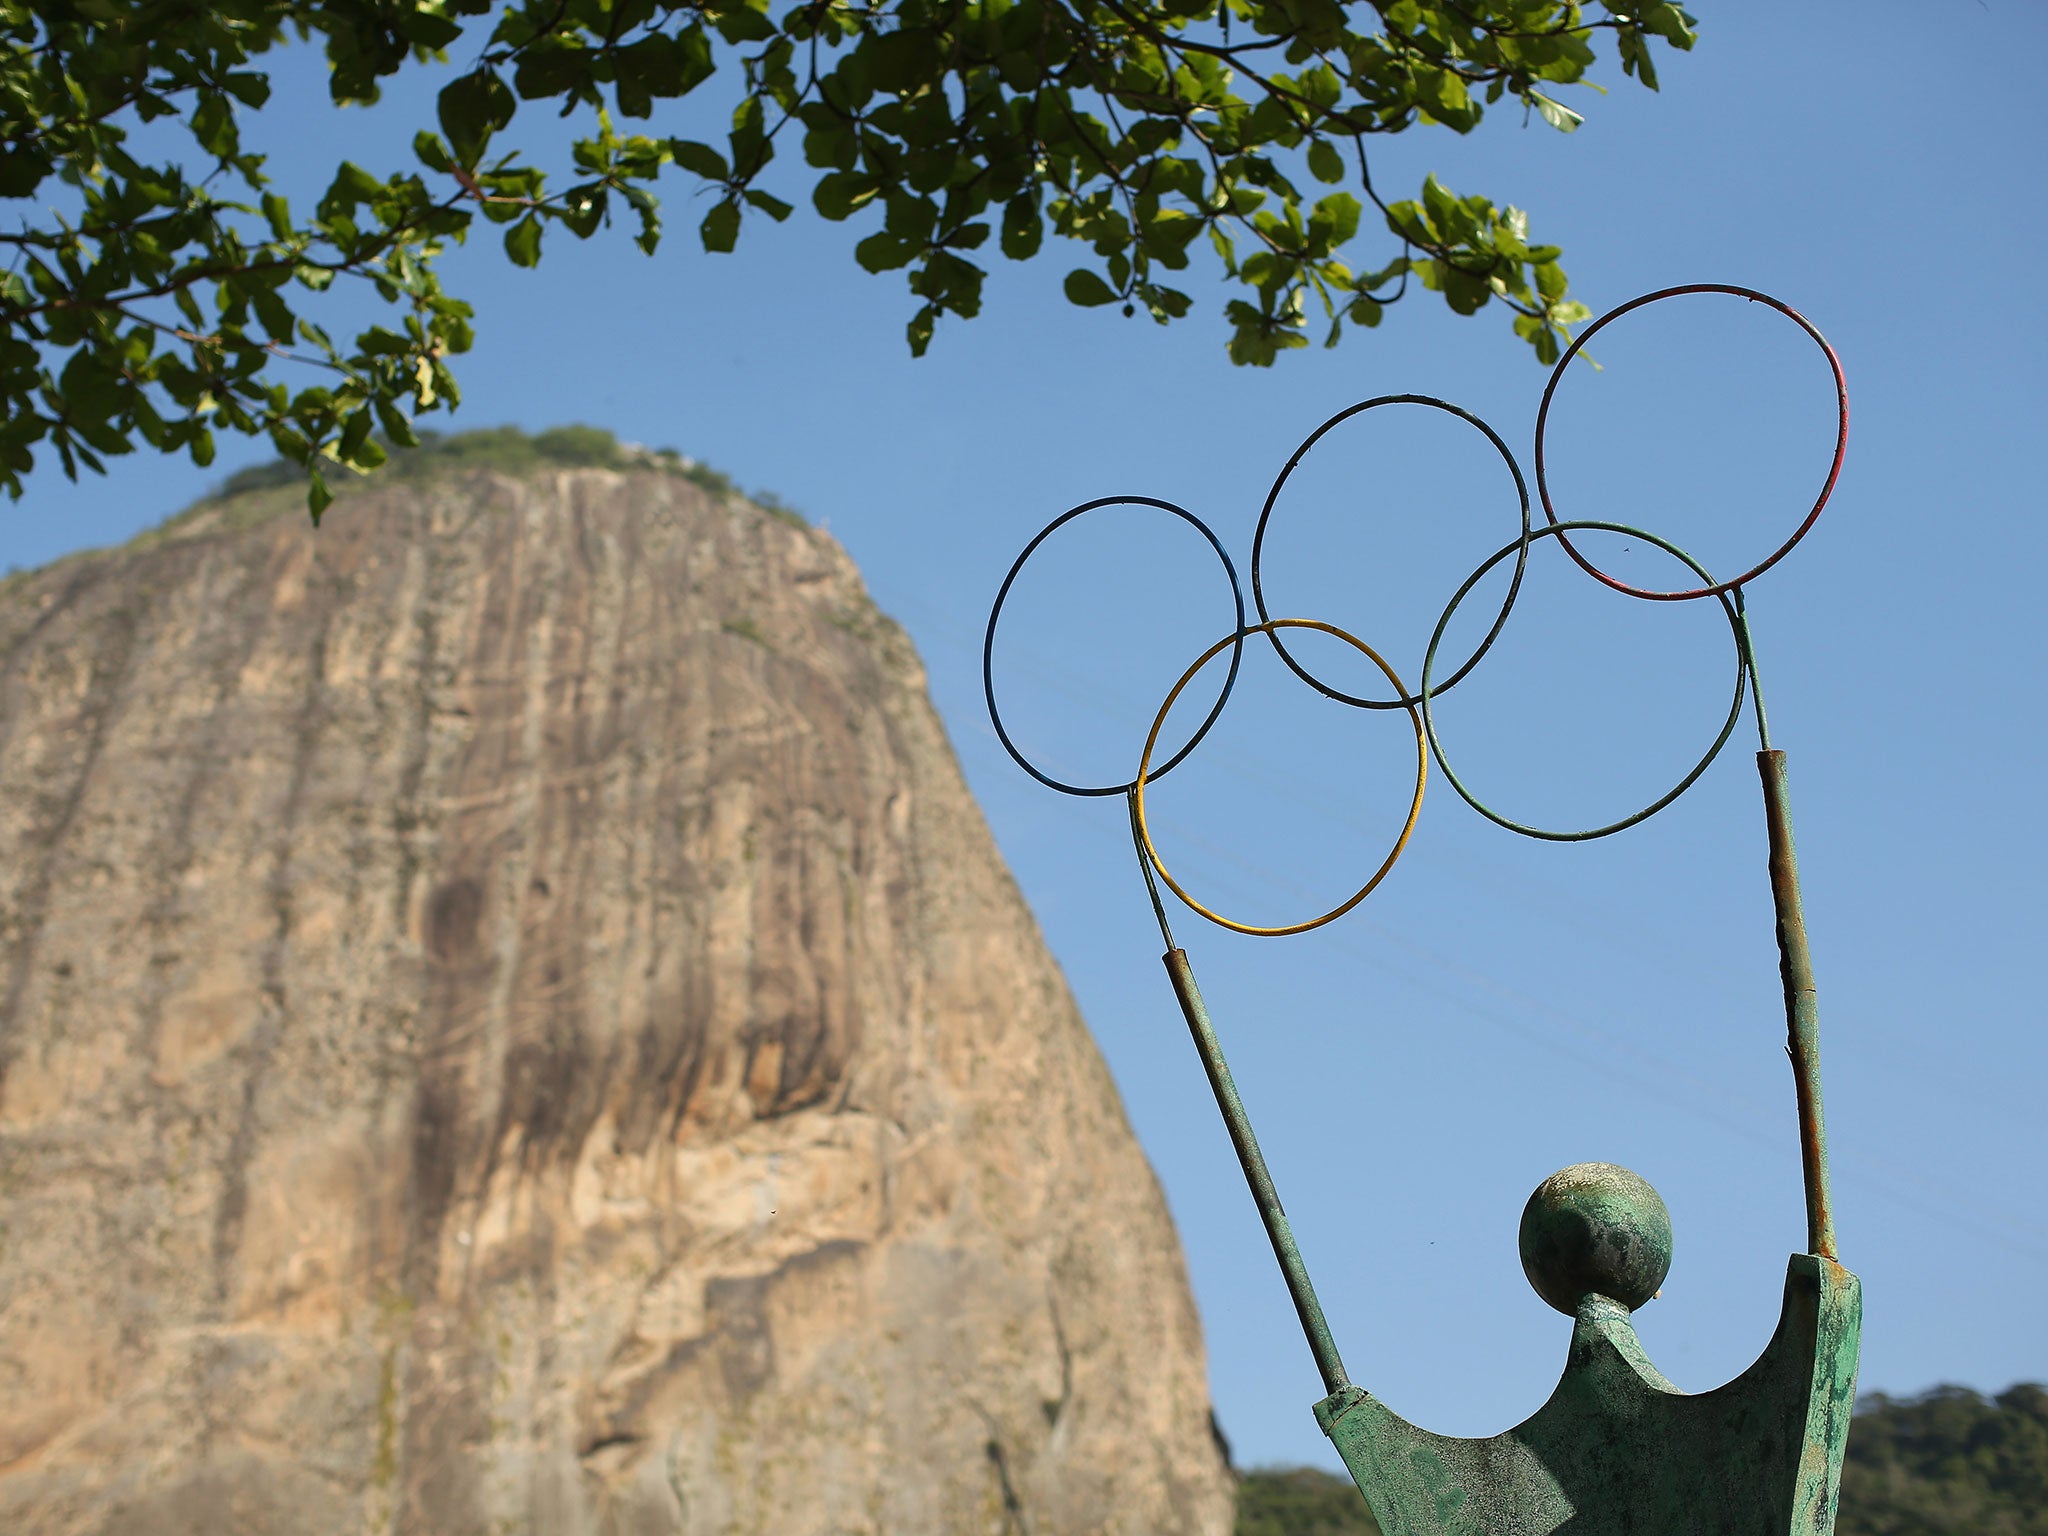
[1253, 1161]
[1595, 1229]
[1619, 1451]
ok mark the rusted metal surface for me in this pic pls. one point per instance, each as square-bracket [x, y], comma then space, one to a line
[1802, 1006]
[1617, 1450]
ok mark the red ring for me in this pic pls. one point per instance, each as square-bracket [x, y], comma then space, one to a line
[1826, 490]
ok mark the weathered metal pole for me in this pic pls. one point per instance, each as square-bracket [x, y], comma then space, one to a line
[1256, 1174]
[1802, 1007]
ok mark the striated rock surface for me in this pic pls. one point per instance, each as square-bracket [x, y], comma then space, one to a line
[512, 1023]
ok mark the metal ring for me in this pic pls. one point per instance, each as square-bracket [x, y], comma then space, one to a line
[1713, 588]
[1138, 797]
[1731, 604]
[1266, 513]
[988, 686]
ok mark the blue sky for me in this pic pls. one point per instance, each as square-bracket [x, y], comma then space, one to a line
[1501, 1007]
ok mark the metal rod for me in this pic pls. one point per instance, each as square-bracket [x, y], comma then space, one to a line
[1802, 1006]
[1313, 1323]
[1145, 868]
[1756, 686]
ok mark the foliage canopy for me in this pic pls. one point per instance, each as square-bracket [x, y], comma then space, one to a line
[170, 293]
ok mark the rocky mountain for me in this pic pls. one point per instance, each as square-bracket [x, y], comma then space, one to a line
[513, 1023]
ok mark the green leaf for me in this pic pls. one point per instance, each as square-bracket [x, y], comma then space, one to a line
[395, 425]
[1334, 220]
[1088, 289]
[1225, 249]
[318, 497]
[1669, 22]
[1446, 213]
[279, 212]
[740, 24]
[919, 331]
[1559, 116]
[522, 242]
[832, 147]
[774, 207]
[1466, 292]
[352, 186]
[582, 210]
[473, 107]
[213, 125]
[278, 320]
[650, 216]
[432, 153]
[721, 226]
[22, 171]
[101, 434]
[251, 90]
[1443, 93]
[552, 71]
[1324, 161]
[840, 194]
[1634, 49]
[910, 218]
[1023, 228]
[884, 252]
[355, 434]
[700, 158]
[697, 63]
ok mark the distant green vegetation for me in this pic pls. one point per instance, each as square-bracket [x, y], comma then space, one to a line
[1948, 1463]
[511, 451]
[1301, 1501]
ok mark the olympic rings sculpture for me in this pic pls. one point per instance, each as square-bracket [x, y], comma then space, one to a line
[1420, 704]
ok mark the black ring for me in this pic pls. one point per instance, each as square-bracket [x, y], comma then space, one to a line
[988, 643]
[1731, 603]
[1272, 496]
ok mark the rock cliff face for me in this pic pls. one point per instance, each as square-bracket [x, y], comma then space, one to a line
[512, 1023]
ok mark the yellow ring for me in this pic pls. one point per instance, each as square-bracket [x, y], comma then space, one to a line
[1152, 740]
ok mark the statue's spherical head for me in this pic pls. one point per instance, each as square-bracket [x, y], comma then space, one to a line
[1595, 1229]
